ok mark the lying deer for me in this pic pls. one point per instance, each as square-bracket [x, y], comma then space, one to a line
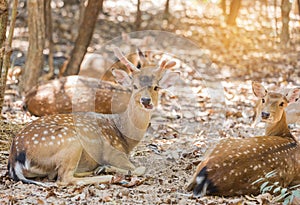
[234, 164]
[60, 95]
[64, 145]
[292, 111]
[77, 93]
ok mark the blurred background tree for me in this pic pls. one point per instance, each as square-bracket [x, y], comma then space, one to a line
[41, 33]
[5, 43]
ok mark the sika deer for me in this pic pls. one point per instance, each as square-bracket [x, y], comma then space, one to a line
[60, 146]
[60, 95]
[234, 164]
[292, 111]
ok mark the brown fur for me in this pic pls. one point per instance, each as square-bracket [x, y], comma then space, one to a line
[234, 164]
[65, 145]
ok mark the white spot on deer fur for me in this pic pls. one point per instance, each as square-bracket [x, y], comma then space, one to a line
[53, 137]
[51, 143]
[45, 132]
[70, 139]
[35, 142]
[36, 135]
[43, 138]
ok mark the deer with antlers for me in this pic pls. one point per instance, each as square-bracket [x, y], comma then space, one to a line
[63, 146]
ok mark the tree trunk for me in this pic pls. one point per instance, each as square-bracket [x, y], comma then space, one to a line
[234, 10]
[3, 26]
[48, 33]
[84, 36]
[5, 58]
[285, 15]
[36, 27]
[138, 19]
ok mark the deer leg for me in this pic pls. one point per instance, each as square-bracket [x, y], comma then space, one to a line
[139, 171]
[120, 164]
[68, 167]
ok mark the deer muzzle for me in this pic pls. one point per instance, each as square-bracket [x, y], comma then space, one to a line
[265, 115]
[146, 102]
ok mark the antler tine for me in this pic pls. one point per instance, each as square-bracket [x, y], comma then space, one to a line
[124, 60]
[166, 65]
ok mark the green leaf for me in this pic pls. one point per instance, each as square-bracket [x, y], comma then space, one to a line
[294, 187]
[267, 189]
[271, 174]
[280, 197]
[259, 180]
[276, 190]
[283, 191]
[296, 193]
[288, 200]
[263, 186]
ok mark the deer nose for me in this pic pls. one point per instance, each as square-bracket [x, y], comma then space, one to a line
[265, 115]
[145, 101]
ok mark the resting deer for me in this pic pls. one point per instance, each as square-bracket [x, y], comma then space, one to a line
[234, 164]
[61, 95]
[64, 145]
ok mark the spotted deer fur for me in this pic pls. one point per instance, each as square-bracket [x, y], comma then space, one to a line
[232, 166]
[82, 93]
[64, 145]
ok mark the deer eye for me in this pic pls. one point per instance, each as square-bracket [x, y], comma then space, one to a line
[263, 100]
[135, 87]
[281, 104]
[156, 88]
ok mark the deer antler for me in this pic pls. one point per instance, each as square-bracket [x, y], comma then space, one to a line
[124, 60]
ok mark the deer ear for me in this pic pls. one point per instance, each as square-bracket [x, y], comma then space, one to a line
[169, 79]
[293, 95]
[121, 77]
[259, 90]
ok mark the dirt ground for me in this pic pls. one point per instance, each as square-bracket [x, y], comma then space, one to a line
[213, 99]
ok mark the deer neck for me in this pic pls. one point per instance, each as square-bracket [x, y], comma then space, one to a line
[279, 129]
[133, 123]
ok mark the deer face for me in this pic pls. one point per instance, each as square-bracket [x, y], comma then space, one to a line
[145, 83]
[145, 87]
[273, 106]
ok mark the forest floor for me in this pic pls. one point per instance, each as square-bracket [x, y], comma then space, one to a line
[213, 98]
